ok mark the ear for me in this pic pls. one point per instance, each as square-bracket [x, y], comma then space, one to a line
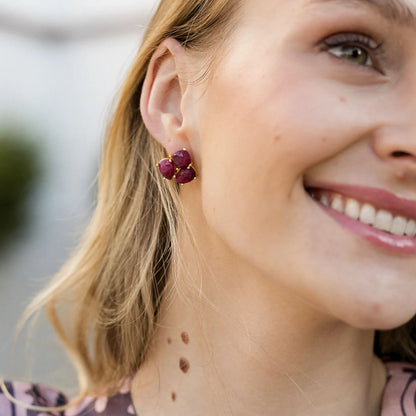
[163, 93]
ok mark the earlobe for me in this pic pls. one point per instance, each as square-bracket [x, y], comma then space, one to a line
[162, 94]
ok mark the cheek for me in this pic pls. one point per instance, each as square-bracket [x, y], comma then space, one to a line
[261, 126]
[250, 162]
[259, 134]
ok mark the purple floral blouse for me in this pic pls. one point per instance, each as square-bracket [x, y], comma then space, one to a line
[399, 398]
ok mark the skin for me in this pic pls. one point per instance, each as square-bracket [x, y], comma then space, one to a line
[279, 302]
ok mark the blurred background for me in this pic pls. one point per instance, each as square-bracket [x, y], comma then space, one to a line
[61, 65]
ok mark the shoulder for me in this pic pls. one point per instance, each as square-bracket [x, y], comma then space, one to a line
[41, 396]
[400, 391]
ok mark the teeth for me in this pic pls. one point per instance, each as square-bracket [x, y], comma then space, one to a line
[337, 204]
[384, 220]
[399, 226]
[410, 228]
[352, 209]
[367, 214]
[325, 201]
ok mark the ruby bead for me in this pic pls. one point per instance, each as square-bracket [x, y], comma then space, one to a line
[181, 159]
[185, 175]
[167, 169]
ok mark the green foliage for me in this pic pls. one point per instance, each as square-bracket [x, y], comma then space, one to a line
[19, 171]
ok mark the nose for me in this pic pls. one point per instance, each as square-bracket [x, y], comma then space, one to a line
[396, 146]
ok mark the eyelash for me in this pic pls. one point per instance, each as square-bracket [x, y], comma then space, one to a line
[369, 46]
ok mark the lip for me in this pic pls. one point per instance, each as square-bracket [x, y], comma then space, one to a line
[380, 199]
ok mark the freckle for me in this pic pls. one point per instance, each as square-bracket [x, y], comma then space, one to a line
[324, 139]
[342, 99]
[173, 396]
[169, 340]
[401, 174]
[184, 365]
[276, 139]
[185, 337]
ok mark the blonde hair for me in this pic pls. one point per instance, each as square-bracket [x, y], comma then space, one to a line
[114, 282]
[112, 286]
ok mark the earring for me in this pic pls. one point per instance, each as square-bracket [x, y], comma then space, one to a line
[178, 166]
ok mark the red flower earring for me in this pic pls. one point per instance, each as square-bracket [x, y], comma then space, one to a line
[178, 166]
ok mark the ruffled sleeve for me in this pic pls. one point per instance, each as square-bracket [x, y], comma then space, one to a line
[120, 404]
[30, 394]
[38, 395]
[400, 392]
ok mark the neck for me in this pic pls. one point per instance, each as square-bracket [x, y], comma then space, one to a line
[230, 342]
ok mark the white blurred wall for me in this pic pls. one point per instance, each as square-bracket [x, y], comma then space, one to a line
[60, 67]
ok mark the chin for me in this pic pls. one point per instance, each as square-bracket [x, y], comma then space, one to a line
[378, 316]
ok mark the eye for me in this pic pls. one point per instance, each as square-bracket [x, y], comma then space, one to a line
[355, 54]
[355, 48]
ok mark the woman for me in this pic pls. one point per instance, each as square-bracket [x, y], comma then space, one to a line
[275, 281]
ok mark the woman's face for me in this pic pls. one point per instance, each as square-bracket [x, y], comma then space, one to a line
[317, 96]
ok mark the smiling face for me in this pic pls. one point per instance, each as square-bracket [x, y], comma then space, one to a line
[316, 94]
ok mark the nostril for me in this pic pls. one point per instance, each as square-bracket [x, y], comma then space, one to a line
[400, 154]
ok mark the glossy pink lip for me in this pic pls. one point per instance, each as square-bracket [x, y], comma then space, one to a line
[380, 199]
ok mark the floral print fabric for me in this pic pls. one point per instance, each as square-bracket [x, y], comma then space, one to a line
[399, 398]
[34, 394]
[400, 393]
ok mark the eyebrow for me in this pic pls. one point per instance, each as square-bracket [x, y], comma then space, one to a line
[396, 11]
